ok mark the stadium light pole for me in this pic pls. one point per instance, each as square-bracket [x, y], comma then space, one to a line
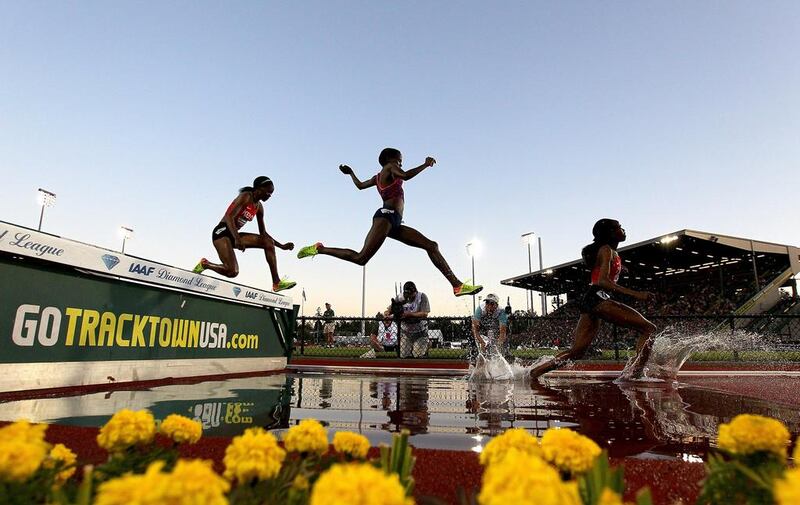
[363, 298]
[541, 266]
[45, 199]
[527, 238]
[473, 247]
[126, 234]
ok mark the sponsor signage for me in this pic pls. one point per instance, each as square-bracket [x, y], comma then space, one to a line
[50, 315]
[226, 415]
[24, 242]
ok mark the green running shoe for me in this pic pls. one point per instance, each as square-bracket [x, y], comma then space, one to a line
[200, 266]
[467, 289]
[310, 250]
[283, 285]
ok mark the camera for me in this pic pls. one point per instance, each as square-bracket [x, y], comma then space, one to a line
[396, 309]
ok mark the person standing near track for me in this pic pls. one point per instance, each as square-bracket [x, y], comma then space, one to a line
[597, 304]
[387, 221]
[329, 325]
[226, 236]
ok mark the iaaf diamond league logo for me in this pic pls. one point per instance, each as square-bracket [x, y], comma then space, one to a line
[110, 260]
[237, 290]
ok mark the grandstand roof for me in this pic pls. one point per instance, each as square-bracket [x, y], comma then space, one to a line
[673, 257]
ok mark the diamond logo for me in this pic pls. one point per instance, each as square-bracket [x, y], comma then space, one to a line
[110, 260]
[237, 290]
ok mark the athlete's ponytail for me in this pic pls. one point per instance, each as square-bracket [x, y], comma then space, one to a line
[261, 180]
[603, 232]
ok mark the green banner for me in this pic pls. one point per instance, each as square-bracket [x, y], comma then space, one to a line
[53, 314]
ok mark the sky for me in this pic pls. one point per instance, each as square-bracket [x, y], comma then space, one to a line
[543, 117]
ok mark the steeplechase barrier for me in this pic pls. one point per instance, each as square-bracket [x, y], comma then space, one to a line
[74, 314]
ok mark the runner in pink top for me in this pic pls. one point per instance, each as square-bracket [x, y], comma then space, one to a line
[597, 304]
[387, 221]
[226, 236]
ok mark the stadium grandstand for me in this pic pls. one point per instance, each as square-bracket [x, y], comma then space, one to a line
[692, 273]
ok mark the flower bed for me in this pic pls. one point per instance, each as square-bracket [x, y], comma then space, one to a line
[143, 465]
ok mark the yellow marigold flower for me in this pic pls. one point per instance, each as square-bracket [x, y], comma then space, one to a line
[308, 436]
[749, 433]
[514, 438]
[569, 451]
[146, 489]
[19, 459]
[787, 490]
[22, 450]
[524, 479]
[351, 443]
[62, 453]
[23, 430]
[253, 455]
[194, 482]
[300, 482]
[358, 484]
[181, 429]
[127, 428]
[609, 497]
[191, 482]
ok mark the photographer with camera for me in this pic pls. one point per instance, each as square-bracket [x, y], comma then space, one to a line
[409, 311]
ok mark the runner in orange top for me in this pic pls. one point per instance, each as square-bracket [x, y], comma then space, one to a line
[597, 304]
[226, 234]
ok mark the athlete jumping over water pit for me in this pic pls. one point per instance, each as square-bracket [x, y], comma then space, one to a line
[226, 236]
[387, 221]
[597, 304]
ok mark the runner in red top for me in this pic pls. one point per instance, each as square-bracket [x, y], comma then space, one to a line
[387, 221]
[226, 236]
[597, 304]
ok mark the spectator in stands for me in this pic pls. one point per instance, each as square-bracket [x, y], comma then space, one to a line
[490, 324]
[330, 325]
[411, 308]
[385, 339]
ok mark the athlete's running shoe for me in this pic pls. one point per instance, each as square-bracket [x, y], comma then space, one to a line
[201, 265]
[310, 250]
[283, 285]
[467, 289]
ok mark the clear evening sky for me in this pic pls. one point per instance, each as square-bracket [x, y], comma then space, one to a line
[543, 116]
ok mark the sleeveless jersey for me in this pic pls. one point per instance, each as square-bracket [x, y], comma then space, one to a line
[245, 215]
[613, 272]
[393, 190]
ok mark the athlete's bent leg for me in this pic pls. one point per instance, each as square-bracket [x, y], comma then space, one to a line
[414, 238]
[375, 237]
[253, 241]
[586, 330]
[229, 266]
[622, 315]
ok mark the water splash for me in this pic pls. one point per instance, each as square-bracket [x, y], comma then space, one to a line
[671, 349]
[491, 365]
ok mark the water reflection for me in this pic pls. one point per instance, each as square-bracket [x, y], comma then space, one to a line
[658, 421]
[440, 412]
[225, 408]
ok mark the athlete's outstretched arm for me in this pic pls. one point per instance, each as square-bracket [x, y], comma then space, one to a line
[262, 230]
[605, 282]
[410, 174]
[359, 184]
